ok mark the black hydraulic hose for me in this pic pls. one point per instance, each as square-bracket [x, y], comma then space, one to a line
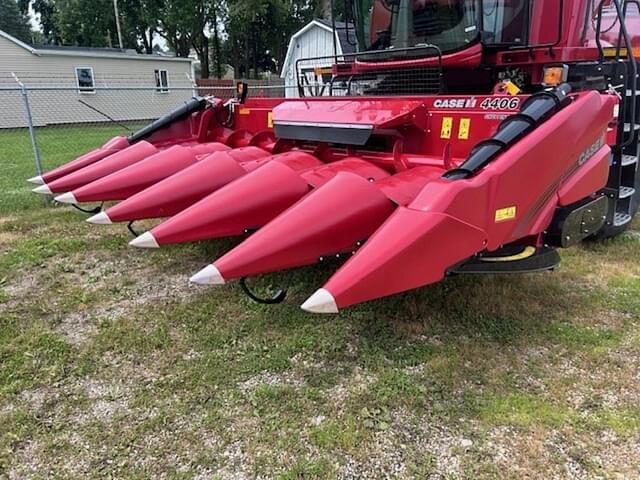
[538, 108]
[187, 108]
[278, 297]
[91, 211]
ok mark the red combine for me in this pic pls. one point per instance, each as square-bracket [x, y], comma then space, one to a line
[465, 137]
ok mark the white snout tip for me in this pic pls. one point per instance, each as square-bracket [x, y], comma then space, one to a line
[146, 240]
[42, 190]
[100, 219]
[66, 198]
[209, 275]
[38, 180]
[320, 302]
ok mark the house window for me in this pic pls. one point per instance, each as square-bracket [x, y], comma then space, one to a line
[162, 81]
[84, 78]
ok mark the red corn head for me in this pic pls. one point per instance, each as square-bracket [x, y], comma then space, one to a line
[411, 249]
[113, 163]
[112, 146]
[331, 220]
[252, 200]
[246, 203]
[135, 178]
[183, 189]
[101, 168]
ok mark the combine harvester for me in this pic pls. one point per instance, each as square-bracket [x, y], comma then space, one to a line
[468, 136]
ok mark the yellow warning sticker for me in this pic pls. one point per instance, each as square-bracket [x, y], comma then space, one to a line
[508, 213]
[245, 111]
[511, 88]
[270, 120]
[447, 124]
[463, 131]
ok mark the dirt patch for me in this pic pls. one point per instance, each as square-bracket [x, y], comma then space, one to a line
[6, 219]
[411, 448]
[355, 383]
[7, 238]
[113, 291]
[557, 454]
[272, 380]
[29, 461]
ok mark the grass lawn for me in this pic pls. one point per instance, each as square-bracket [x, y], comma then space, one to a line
[113, 365]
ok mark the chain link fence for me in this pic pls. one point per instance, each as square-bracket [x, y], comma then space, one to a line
[48, 121]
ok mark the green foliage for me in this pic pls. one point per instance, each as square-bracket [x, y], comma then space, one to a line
[30, 356]
[13, 21]
[86, 24]
[259, 32]
[522, 410]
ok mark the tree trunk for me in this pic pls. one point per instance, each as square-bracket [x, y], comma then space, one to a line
[147, 42]
[247, 57]
[182, 46]
[216, 46]
[149, 45]
[255, 56]
[204, 56]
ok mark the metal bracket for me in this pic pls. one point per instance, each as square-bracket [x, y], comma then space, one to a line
[91, 211]
[277, 297]
[130, 228]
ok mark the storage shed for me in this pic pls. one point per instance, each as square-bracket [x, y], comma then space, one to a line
[312, 41]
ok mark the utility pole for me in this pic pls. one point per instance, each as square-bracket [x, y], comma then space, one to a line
[115, 10]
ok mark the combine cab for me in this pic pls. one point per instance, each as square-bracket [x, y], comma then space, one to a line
[469, 136]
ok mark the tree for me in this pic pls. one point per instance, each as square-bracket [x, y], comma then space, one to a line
[259, 32]
[48, 20]
[77, 22]
[92, 23]
[140, 19]
[217, 20]
[184, 23]
[13, 21]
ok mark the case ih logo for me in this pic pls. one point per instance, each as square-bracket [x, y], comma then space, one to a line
[591, 151]
[489, 103]
[455, 103]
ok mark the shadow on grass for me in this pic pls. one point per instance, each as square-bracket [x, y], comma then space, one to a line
[496, 308]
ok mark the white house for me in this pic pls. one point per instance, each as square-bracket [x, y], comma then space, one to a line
[316, 39]
[74, 84]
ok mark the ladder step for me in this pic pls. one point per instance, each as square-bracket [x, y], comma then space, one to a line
[629, 160]
[625, 192]
[627, 127]
[621, 219]
[629, 92]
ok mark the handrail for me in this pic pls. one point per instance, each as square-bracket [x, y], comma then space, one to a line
[622, 13]
[372, 66]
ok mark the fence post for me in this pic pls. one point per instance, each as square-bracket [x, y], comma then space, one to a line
[194, 83]
[32, 132]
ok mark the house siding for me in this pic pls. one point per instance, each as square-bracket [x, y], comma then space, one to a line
[51, 107]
